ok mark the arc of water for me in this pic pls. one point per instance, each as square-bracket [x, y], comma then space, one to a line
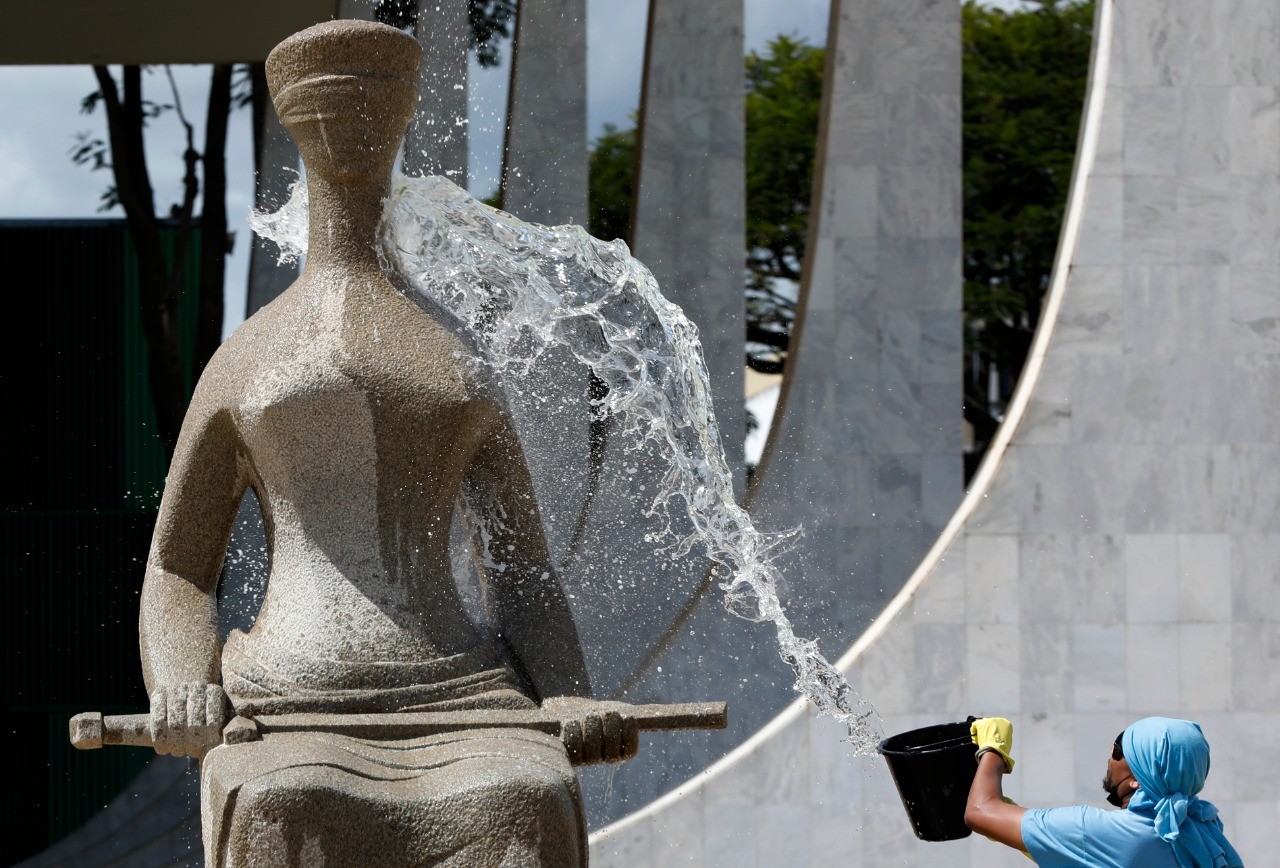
[522, 289]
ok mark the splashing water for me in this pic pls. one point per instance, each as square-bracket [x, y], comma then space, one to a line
[524, 289]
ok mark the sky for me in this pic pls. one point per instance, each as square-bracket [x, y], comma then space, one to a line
[40, 105]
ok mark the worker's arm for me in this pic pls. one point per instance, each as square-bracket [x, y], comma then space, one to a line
[987, 813]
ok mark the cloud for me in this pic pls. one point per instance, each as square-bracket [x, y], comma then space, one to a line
[37, 177]
[615, 60]
[765, 20]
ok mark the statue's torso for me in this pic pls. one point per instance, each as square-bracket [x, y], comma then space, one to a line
[359, 416]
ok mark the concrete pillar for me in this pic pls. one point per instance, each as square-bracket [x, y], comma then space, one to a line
[359, 10]
[544, 177]
[689, 212]
[866, 449]
[627, 591]
[436, 143]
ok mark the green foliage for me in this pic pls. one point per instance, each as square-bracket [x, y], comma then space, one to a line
[1024, 77]
[612, 171]
[96, 154]
[783, 102]
[784, 98]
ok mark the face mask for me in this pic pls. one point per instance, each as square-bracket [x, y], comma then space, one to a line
[1113, 791]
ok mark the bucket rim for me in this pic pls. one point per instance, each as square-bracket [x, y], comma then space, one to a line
[941, 746]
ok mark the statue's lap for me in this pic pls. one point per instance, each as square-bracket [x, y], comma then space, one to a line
[480, 797]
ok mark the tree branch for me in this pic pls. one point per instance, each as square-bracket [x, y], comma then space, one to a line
[190, 187]
[157, 301]
[215, 242]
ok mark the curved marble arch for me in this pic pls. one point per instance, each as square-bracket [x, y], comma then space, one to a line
[1115, 555]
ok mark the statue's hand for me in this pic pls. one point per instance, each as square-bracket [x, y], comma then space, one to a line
[595, 732]
[187, 719]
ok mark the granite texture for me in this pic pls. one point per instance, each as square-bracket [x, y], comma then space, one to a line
[313, 405]
[544, 176]
[1122, 560]
[865, 452]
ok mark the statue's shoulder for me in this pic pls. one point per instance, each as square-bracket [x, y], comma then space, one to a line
[236, 355]
[255, 340]
[281, 311]
[241, 356]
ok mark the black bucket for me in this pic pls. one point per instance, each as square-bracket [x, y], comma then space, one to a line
[933, 768]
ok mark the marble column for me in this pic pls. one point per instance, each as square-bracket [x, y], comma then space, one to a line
[436, 143]
[544, 175]
[865, 452]
[627, 588]
[689, 214]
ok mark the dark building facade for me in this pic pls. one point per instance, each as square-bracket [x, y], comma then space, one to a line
[83, 474]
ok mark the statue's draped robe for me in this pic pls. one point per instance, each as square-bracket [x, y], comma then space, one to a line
[481, 797]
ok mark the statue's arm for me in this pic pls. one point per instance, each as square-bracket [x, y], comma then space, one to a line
[178, 622]
[526, 602]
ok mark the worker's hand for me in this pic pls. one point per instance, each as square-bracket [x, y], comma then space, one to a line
[994, 734]
[187, 719]
[595, 732]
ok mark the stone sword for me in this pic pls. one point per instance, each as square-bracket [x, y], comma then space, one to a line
[93, 729]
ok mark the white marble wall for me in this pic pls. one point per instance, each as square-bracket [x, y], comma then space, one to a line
[866, 452]
[1123, 560]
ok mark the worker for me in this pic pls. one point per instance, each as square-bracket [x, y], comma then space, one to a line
[1156, 768]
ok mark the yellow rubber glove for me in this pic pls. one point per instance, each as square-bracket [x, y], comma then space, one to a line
[996, 734]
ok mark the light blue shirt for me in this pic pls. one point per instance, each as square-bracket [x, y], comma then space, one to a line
[1087, 837]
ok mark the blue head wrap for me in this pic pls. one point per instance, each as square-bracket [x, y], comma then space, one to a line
[1170, 761]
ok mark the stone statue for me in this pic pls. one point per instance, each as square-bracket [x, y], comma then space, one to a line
[350, 409]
